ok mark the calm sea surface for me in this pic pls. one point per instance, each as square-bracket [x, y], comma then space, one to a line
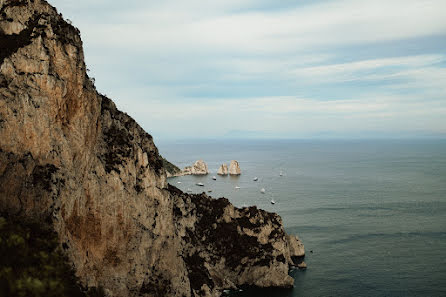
[372, 212]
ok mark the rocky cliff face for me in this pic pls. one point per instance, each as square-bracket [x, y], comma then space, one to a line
[234, 168]
[67, 155]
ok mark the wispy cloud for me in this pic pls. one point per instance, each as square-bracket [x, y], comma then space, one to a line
[296, 117]
[287, 68]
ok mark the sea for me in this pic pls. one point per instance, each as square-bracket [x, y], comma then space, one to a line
[371, 213]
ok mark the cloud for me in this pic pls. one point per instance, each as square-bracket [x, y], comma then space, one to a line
[281, 67]
[291, 116]
[424, 72]
[197, 27]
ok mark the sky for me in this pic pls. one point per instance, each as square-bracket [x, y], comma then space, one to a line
[270, 69]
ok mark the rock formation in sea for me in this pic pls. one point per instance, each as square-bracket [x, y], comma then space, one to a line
[234, 168]
[223, 169]
[199, 168]
[69, 157]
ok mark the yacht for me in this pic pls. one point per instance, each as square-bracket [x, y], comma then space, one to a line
[262, 190]
[237, 187]
[256, 178]
[200, 184]
[214, 178]
[273, 202]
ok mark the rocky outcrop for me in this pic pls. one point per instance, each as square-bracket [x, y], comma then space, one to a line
[199, 168]
[171, 169]
[69, 157]
[231, 247]
[234, 168]
[297, 249]
[223, 169]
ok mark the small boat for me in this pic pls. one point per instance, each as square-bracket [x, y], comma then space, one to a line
[210, 191]
[237, 187]
[200, 184]
[281, 173]
[178, 182]
[262, 190]
[273, 202]
[256, 178]
[214, 178]
[189, 190]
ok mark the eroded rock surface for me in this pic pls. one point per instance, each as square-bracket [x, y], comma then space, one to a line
[69, 156]
[234, 168]
[231, 247]
[199, 168]
[223, 169]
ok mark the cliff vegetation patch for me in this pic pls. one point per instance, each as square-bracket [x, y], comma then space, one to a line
[32, 264]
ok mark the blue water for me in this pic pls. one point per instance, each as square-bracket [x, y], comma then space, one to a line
[372, 211]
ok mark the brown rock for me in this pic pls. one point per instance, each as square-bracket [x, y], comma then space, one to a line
[199, 168]
[223, 169]
[296, 247]
[234, 168]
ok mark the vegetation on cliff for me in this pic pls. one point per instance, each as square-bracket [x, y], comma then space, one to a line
[32, 264]
[170, 168]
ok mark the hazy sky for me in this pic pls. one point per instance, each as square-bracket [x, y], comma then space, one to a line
[255, 68]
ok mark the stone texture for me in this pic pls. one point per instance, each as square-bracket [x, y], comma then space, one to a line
[234, 168]
[67, 155]
[231, 247]
[296, 246]
[199, 168]
[223, 169]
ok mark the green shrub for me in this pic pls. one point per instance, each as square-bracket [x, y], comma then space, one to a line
[171, 168]
[33, 265]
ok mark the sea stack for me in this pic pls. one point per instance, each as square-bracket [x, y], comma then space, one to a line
[223, 170]
[199, 168]
[234, 168]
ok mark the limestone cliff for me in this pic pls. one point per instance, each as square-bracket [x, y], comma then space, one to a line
[67, 155]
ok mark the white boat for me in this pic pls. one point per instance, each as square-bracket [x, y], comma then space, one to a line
[262, 190]
[214, 178]
[273, 202]
[281, 173]
[200, 184]
[237, 187]
[178, 182]
[189, 190]
[256, 178]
